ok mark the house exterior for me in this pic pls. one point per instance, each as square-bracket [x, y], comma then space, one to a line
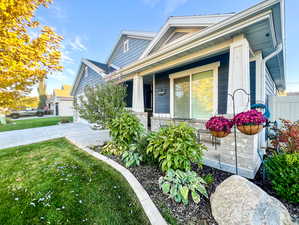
[187, 70]
[61, 102]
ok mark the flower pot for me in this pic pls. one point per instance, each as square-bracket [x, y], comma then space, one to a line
[219, 134]
[250, 129]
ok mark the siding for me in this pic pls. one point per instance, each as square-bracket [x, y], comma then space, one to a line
[269, 85]
[136, 48]
[93, 78]
[129, 96]
[162, 103]
[252, 82]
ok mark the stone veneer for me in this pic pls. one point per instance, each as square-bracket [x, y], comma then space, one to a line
[221, 151]
[143, 117]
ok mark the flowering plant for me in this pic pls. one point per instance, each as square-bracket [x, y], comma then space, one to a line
[219, 123]
[287, 138]
[251, 117]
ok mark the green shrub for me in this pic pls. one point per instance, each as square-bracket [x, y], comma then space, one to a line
[283, 172]
[178, 184]
[131, 158]
[176, 147]
[102, 103]
[8, 120]
[125, 130]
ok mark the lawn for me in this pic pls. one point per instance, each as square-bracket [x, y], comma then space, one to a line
[32, 123]
[54, 182]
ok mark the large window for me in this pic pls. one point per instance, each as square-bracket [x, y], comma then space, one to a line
[194, 92]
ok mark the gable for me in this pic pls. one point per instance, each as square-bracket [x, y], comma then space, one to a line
[88, 77]
[181, 27]
[129, 48]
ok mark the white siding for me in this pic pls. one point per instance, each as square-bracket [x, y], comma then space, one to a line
[65, 108]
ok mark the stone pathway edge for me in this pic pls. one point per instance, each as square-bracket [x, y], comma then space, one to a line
[148, 206]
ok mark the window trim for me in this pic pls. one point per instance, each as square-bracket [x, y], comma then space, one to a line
[212, 66]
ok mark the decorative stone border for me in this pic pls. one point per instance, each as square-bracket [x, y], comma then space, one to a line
[148, 206]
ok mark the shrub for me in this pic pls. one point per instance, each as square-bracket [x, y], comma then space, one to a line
[131, 158]
[102, 103]
[176, 147]
[283, 172]
[178, 184]
[125, 130]
[8, 120]
[287, 138]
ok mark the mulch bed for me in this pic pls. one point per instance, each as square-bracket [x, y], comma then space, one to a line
[192, 214]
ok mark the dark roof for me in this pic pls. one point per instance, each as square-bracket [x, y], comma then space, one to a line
[103, 66]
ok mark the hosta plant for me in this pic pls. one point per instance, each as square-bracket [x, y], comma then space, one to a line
[111, 149]
[131, 158]
[180, 185]
[176, 147]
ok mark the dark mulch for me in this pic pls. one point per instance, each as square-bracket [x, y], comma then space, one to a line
[192, 214]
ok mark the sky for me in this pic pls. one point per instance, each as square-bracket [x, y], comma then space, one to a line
[91, 28]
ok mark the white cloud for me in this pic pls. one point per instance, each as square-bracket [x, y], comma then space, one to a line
[151, 3]
[65, 57]
[70, 71]
[77, 44]
[59, 76]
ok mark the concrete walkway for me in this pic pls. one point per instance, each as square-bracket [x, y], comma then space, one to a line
[77, 132]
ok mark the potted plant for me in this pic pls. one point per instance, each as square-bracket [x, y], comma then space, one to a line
[249, 122]
[219, 126]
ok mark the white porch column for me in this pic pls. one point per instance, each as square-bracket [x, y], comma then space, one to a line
[138, 101]
[239, 76]
[260, 78]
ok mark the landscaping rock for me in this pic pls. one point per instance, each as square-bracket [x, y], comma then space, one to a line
[237, 201]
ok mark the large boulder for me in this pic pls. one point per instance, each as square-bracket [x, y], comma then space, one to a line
[237, 201]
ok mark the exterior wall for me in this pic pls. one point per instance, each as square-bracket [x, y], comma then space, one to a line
[92, 78]
[252, 83]
[162, 83]
[222, 156]
[270, 85]
[136, 48]
[65, 108]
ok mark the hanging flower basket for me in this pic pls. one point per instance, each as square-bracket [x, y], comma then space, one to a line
[250, 129]
[219, 126]
[250, 122]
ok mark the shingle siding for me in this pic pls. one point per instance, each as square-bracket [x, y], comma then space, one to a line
[92, 78]
[136, 48]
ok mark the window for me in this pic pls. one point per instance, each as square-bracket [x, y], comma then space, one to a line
[126, 45]
[194, 92]
[85, 71]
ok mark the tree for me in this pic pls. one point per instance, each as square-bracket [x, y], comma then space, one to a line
[24, 61]
[102, 103]
[42, 94]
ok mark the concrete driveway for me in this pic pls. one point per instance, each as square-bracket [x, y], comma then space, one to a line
[76, 132]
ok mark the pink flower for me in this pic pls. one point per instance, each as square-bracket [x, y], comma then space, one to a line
[251, 117]
[219, 123]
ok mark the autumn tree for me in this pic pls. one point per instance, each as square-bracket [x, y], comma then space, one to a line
[24, 60]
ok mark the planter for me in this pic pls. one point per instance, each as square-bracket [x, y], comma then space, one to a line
[250, 129]
[219, 134]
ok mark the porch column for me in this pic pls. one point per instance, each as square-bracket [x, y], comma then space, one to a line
[239, 76]
[138, 101]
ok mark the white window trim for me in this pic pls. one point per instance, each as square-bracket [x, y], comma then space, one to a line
[126, 45]
[214, 67]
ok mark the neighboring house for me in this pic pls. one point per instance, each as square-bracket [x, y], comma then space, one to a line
[186, 71]
[61, 102]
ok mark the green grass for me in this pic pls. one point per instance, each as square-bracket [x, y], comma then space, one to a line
[54, 182]
[32, 123]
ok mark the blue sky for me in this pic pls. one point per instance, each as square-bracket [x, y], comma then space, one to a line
[91, 27]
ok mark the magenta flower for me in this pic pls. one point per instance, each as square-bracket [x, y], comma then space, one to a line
[219, 123]
[251, 117]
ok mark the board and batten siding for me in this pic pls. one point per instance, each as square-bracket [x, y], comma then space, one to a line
[270, 85]
[252, 82]
[91, 78]
[162, 83]
[136, 48]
